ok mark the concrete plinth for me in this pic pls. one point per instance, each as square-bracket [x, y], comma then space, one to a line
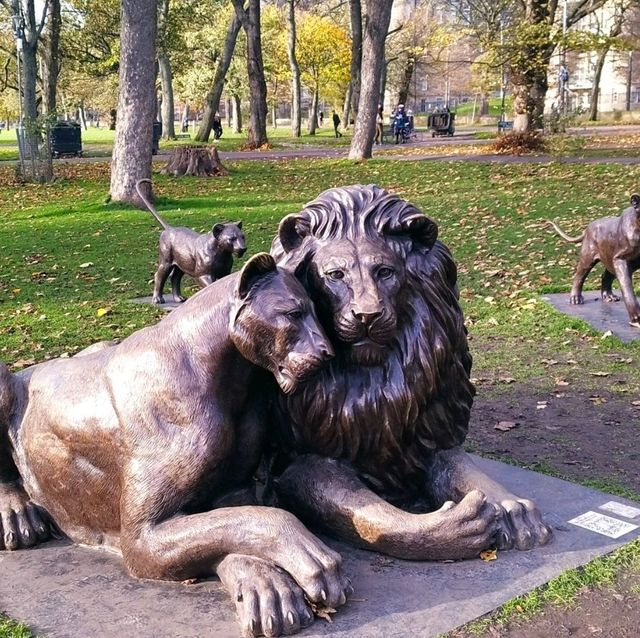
[600, 315]
[70, 592]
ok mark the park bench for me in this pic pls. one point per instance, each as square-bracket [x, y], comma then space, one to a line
[505, 125]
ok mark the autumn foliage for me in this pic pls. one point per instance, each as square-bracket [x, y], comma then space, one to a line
[520, 143]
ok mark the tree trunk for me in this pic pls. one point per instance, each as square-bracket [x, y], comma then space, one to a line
[250, 19]
[346, 110]
[213, 97]
[296, 88]
[82, 116]
[184, 119]
[51, 58]
[29, 77]
[383, 81]
[131, 160]
[595, 89]
[484, 104]
[355, 14]
[405, 84]
[629, 81]
[274, 115]
[313, 111]
[237, 114]
[167, 108]
[199, 161]
[377, 20]
[521, 107]
[228, 108]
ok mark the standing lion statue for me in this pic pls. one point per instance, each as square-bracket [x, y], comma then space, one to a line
[370, 448]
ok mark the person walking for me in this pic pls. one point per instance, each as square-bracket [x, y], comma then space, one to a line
[379, 139]
[336, 124]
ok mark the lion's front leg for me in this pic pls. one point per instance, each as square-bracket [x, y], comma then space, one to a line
[330, 494]
[520, 524]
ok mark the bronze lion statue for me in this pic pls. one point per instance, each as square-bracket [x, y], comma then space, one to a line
[370, 447]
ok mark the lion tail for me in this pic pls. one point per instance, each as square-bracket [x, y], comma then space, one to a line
[573, 240]
[149, 205]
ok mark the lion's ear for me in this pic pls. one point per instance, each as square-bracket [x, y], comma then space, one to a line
[292, 230]
[217, 230]
[635, 200]
[255, 269]
[418, 227]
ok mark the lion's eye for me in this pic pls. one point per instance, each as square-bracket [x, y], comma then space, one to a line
[385, 272]
[336, 275]
[295, 314]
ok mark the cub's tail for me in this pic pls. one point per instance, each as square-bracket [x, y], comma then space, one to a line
[573, 240]
[149, 205]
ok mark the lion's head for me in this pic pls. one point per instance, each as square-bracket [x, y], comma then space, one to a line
[385, 292]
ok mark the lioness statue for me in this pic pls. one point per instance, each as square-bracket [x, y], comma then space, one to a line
[615, 241]
[145, 446]
[206, 257]
[371, 445]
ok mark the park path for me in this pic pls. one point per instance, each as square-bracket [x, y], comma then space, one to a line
[416, 152]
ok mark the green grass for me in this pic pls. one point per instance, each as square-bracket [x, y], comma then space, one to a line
[99, 142]
[563, 590]
[65, 255]
[11, 629]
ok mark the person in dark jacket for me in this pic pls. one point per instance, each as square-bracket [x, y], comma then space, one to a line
[336, 124]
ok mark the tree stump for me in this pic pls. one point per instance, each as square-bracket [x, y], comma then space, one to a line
[201, 161]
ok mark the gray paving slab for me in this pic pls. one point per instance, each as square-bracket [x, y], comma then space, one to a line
[63, 591]
[600, 315]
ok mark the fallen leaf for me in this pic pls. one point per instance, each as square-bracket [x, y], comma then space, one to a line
[87, 264]
[606, 334]
[561, 381]
[101, 312]
[507, 380]
[599, 374]
[505, 426]
[489, 555]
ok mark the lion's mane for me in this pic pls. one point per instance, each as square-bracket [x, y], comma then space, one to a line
[387, 420]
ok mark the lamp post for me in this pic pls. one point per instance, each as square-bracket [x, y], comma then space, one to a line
[563, 74]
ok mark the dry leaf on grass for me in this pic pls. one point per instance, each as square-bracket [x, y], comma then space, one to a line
[505, 426]
[489, 555]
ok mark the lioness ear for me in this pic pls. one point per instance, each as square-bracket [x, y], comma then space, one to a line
[417, 227]
[291, 231]
[217, 229]
[257, 267]
[635, 200]
[239, 224]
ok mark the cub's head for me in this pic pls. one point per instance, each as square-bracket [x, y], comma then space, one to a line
[230, 238]
[273, 323]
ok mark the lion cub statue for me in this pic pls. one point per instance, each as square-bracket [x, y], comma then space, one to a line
[615, 241]
[206, 257]
[143, 447]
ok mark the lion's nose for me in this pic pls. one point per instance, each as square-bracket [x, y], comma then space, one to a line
[366, 318]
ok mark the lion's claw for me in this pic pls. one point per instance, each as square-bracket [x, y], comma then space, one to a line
[520, 525]
[268, 600]
[22, 523]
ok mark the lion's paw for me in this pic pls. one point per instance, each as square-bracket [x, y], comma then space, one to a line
[609, 297]
[520, 525]
[268, 601]
[576, 300]
[22, 523]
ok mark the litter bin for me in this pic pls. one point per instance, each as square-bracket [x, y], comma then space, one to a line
[157, 134]
[65, 139]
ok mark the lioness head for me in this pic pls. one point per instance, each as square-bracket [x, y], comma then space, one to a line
[230, 238]
[351, 246]
[274, 325]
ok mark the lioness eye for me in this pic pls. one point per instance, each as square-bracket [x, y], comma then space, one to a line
[385, 272]
[295, 314]
[336, 275]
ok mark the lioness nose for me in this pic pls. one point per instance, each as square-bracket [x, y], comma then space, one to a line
[366, 318]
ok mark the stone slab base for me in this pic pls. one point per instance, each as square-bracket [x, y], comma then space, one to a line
[64, 591]
[600, 315]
